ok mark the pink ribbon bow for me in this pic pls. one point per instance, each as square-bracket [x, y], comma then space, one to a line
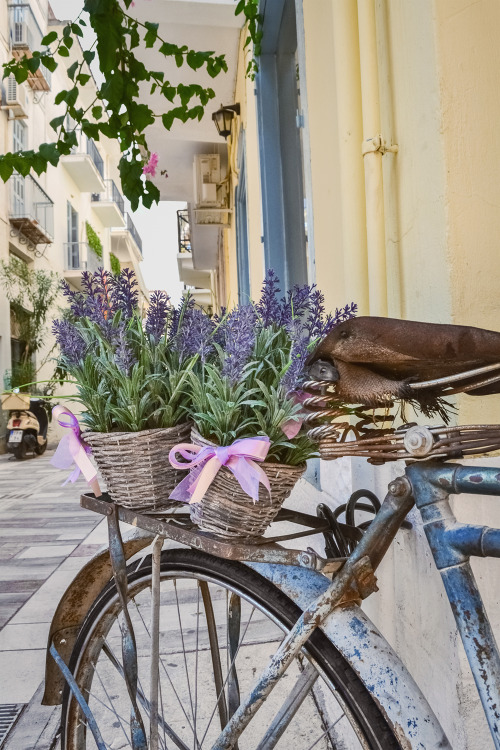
[204, 463]
[72, 450]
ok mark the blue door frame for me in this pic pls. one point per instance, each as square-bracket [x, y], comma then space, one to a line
[283, 215]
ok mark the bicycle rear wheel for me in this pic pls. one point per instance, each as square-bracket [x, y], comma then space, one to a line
[219, 624]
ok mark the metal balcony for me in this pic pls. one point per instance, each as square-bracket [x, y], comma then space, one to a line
[183, 231]
[25, 38]
[31, 210]
[78, 257]
[126, 242]
[109, 206]
[85, 165]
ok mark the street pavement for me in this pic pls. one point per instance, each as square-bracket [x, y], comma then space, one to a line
[45, 538]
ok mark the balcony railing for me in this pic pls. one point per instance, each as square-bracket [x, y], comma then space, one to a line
[78, 256]
[110, 194]
[133, 231]
[183, 231]
[25, 37]
[87, 146]
[31, 210]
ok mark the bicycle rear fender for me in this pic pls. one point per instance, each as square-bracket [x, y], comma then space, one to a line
[74, 606]
[372, 658]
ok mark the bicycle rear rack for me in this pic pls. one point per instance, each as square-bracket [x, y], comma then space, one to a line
[176, 525]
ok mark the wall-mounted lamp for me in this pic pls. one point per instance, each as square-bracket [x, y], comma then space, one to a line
[224, 117]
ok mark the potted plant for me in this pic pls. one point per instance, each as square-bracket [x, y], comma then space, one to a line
[130, 374]
[245, 407]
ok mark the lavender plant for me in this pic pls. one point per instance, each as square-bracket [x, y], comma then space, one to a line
[257, 362]
[130, 373]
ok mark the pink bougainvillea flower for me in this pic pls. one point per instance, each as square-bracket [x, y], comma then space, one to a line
[150, 167]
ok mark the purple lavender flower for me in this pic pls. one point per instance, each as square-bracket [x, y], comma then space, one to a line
[178, 313]
[194, 334]
[77, 301]
[269, 307]
[124, 357]
[72, 345]
[157, 315]
[239, 341]
[124, 295]
[299, 352]
[296, 303]
[345, 313]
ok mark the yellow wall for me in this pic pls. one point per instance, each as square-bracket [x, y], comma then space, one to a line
[438, 66]
[244, 94]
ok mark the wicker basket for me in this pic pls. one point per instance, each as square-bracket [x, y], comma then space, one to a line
[135, 465]
[226, 510]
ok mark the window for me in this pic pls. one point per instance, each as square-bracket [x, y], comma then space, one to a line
[73, 252]
[19, 136]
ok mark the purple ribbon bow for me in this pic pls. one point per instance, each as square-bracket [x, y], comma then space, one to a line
[204, 463]
[72, 450]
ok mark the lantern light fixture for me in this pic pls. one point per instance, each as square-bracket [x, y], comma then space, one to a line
[224, 117]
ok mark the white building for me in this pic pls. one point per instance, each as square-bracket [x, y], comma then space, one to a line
[47, 221]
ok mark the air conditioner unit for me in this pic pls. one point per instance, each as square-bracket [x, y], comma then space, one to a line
[206, 180]
[15, 98]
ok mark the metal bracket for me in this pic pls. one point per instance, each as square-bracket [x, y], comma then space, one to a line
[377, 144]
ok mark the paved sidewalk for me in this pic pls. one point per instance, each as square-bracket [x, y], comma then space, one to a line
[45, 538]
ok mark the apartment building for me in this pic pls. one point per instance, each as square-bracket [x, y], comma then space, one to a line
[73, 217]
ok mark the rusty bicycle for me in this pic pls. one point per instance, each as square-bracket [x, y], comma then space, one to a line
[205, 644]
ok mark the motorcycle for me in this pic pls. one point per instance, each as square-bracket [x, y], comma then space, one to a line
[27, 425]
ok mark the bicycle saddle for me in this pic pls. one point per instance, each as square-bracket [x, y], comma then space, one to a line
[374, 360]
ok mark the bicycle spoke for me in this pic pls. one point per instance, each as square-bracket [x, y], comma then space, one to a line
[184, 654]
[227, 676]
[112, 708]
[144, 701]
[196, 661]
[325, 732]
[166, 672]
[290, 707]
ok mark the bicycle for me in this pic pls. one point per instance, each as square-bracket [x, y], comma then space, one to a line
[210, 617]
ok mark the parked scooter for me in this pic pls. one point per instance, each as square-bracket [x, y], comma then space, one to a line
[27, 425]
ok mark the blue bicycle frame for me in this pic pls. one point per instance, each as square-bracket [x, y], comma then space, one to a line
[452, 544]
[428, 485]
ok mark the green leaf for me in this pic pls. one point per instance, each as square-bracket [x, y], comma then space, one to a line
[63, 51]
[50, 153]
[49, 38]
[88, 56]
[97, 112]
[49, 62]
[56, 123]
[151, 34]
[6, 168]
[75, 28]
[72, 70]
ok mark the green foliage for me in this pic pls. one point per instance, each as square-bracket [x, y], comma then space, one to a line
[115, 264]
[250, 9]
[22, 376]
[94, 240]
[117, 112]
[256, 405]
[31, 294]
[151, 393]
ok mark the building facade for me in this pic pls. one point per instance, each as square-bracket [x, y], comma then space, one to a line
[364, 158]
[73, 217]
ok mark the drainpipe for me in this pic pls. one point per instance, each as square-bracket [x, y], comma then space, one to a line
[373, 149]
[352, 181]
